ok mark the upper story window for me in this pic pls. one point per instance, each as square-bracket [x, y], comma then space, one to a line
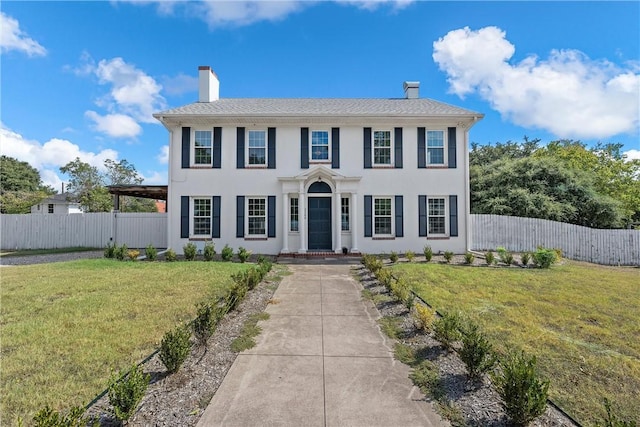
[382, 216]
[202, 216]
[436, 211]
[435, 147]
[257, 216]
[202, 147]
[257, 148]
[320, 145]
[382, 147]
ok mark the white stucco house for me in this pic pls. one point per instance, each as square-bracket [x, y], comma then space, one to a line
[56, 204]
[277, 175]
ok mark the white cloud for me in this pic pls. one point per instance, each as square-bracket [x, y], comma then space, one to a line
[47, 158]
[632, 154]
[155, 178]
[163, 156]
[114, 125]
[567, 94]
[375, 4]
[179, 84]
[13, 38]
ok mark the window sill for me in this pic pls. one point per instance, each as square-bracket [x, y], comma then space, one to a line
[437, 167]
[383, 167]
[200, 239]
[438, 238]
[200, 167]
[320, 162]
[384, 238]
[253, 239]
[255, 166]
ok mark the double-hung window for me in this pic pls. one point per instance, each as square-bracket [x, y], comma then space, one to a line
[382, 216]
[50, 208]
[293, 210]
[320, 145]
[344, 209]
[257, 148]
[436, 214]
[202, 216]
[435, 147]
[257, 216]
[382, 148]
[202, 149]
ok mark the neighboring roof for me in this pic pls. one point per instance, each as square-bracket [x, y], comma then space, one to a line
[158, 192]
[58, 198]
[318, 107]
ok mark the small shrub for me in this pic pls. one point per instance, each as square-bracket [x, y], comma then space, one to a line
[525, 258]
[109, 252]
[121, 252]
[243, 254]
[410, 255]
[227, 253]
[426, 377]
[190, 250]
[373, 263]
[409, 301]
[448, 256]
[261, 259]
[170, 255]
[522, 390]
[447, 329]
[428, 253]
[476, 352]
[151, 253]
[543, 257]
[47, 417]
[207, 318]
[209, 251]
[490, 258]
[174, 348]
[393, 257]
[423, 317]
[468, 258]
[385, 277]
[505, 256]
[612, 420]
[133, 254]
[401, 291]
[126, 392]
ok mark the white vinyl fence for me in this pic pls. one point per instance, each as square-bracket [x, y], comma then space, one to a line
[609, 247]
[136, 230]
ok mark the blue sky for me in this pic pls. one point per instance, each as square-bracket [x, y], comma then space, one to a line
[81, 79]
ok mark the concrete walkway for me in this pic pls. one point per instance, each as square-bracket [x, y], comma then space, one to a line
[320, 360]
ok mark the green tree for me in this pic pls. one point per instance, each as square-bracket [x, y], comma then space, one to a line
[124, 173]
[20, 186]
[86, 186]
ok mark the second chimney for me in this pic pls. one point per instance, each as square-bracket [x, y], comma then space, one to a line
[209, 85]
[411, 90]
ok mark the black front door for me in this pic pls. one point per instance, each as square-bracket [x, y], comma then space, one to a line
[319, 223]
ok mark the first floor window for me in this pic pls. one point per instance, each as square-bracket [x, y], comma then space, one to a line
[382, 215]
[202, 217]
[382, 147]
[436, 215]
[257, 147]
[320, 145]
[202, 147]
[435, 147]
[344, 209]
[294, 214]
[50, 207]
[257, 218]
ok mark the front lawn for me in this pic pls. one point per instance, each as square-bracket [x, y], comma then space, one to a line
[581, 320]
[66, 326]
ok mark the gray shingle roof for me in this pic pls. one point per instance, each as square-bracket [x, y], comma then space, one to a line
[319, 107]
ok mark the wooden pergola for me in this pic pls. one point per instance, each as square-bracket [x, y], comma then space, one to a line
[156, 192]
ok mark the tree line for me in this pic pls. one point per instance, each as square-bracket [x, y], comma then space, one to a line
[21, 186]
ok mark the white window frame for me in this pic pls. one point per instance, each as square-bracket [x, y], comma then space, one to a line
[192, 219]
[444, 147]
[328, 159]
[391, 216]
[194, 148]
[445, 216]
[248, 147]
[391, 147]
[248, 216]
[345, 210]
[294, 212]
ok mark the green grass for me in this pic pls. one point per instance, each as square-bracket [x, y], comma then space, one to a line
[581, 320]
[250, 330]
[66, 326]
[25, 252]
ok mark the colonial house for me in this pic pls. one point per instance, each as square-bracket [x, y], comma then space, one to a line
[56, 204]
[278, 175]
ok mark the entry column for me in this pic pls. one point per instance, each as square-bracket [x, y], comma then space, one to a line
[302, 219]
[285, 223]
[337, 222]
[354, 222]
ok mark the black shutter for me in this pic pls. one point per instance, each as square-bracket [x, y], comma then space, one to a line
[452, 148]
[304, 148]
[398, 147]
[422, 148]
[186, 146]
[239, 216]
[271, 148]
[271, 216]
[368, 217]
[240, 148]
[335, 148]
[399, 218]
[422, 216]
[217, 147]
[215, 212]
[453, 216]
[367, 148]
[184, 217]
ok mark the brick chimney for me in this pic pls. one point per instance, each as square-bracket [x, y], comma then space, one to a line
[209, 85]
[411, 90]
